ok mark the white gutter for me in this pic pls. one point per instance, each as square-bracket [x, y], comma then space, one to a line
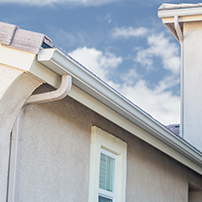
[58, 94]
[181, 12]
[89, 83]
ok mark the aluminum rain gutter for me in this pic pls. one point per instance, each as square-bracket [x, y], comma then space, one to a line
[93, 86]
[164, 13]
[184, 13]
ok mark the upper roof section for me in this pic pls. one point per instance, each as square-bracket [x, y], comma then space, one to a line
[185, 12]
[165, 6]
[13, 36]
[175, 128]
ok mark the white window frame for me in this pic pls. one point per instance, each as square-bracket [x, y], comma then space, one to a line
[105, 193]
[101, 140]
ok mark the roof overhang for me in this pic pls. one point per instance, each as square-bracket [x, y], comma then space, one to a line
[51, 63]
[185, 13]
[101, 98]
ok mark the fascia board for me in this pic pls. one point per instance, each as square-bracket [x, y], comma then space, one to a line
[95, 105]
[27, 62]
[169, 20]
[87, 82]
[16, 58]
[45, 74]
[180, 12]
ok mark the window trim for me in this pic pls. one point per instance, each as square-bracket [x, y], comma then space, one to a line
[100, 139]
[103, 192]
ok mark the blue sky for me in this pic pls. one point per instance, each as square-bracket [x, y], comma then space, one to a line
[121, 41]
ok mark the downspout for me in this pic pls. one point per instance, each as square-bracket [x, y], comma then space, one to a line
[58, 94]
[14, 158]
[181, 39]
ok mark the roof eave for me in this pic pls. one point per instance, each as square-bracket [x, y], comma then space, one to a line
[180, 12]
[89, 83]
[185, 14]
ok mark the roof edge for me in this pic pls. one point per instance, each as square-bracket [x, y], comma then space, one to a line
[166, 6]
[14, 37]
[180, 12]
[89, 83]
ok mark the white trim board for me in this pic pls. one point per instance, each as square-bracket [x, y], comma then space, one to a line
[180, 12]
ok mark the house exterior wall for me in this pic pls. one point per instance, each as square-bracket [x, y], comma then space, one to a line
[192, 83]
[195, 196]
[55, 158]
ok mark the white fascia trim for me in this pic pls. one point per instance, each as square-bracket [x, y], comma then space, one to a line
[89, 83]
[27, 62]
[180, 12]
[193, 18]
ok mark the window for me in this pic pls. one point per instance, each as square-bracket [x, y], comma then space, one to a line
[108, 167]
[107, 176]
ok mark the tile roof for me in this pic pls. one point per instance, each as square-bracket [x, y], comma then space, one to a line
[175, 128]
[14, 37]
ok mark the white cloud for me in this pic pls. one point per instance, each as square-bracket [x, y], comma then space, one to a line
[96, 61]
[159, 102]
[160, 46]
[130, 76]
[129, 32]
[55, 2]
[107, 18]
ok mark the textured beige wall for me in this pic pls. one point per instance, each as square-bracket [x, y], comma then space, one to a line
[15, 87]
[55, 153]
[192, 83]
[153, 176]
[195, 196]
[55, 158]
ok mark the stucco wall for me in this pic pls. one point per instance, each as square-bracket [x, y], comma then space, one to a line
[192, 83]
[55, 158]
[195, 196]
[55, 153]
[15, 88]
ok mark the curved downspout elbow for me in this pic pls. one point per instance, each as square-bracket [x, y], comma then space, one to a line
[58, 94]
